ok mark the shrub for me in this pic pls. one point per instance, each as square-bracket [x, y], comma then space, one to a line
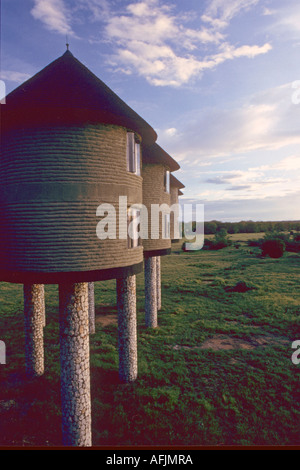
[240, 287]
[220, 240]
[273, 247]
[294, 247]
[296, 237]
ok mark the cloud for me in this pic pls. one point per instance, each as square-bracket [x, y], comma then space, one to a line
[259, 183]
[290, 163]
[288, 18]
[237, 209]
[152, 41]
[54, 15]
[267, 121]
[220, 13]
[265, 128]
[12, 76]
[239, 187]
[98, 9]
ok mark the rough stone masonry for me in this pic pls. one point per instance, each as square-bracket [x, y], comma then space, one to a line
[75, 364]
[127, 329]
[34, 321]
[150, 293]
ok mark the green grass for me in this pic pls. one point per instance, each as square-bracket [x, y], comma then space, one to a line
[184, 395]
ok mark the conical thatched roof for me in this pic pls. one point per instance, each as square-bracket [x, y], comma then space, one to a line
[66, 92]
[154, 154]
[175, 182]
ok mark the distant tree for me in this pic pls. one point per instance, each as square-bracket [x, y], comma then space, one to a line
[210, 228]
[234, 228]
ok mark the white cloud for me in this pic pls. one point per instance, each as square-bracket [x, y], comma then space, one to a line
[53, 14]
[220, 13]
[12, 76]
[248, 184]
[98, 9]
[290, 163]
[156, 43]
[284, 23]
[266, 121]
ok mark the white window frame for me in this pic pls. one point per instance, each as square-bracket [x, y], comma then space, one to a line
[133, 154]
[167, 182]
[167, 227]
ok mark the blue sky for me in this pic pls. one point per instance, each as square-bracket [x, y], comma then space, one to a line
[219, 80]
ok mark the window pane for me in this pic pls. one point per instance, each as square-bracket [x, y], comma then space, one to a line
[138, 158]
[131, 152]
[167, 182]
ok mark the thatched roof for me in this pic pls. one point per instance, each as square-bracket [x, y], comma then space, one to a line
[154, 154]
[66, 92]
[175, 182]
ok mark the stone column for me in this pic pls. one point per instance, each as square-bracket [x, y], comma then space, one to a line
[42, 289]
[150, 293]
[34, 317]
[75, 364]
[158, 282]
[92, 325]
[127, 329]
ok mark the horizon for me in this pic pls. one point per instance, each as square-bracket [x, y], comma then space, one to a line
[218, 82]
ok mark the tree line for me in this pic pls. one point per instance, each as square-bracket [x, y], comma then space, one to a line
[215, 226]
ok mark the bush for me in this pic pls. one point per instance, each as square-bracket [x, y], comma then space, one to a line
[294, 247]
[240, 287]
[273, 247]
[291, 241]
[220, 240]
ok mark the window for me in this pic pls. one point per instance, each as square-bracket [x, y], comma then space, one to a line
[167, 182]
[166, 227]
[133, 154]
[133, 228]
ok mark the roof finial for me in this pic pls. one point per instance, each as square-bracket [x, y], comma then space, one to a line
[67, 43]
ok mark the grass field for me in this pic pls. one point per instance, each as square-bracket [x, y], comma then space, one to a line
[217, 371]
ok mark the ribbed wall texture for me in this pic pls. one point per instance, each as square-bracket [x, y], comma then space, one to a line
[154, 193]
[51, 182]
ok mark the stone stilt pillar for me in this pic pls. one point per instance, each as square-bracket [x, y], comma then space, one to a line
[34, 317]
[42, 288]
[150, 293]
[127, 329]
[75, 364]
[92, 326]
[158, 282]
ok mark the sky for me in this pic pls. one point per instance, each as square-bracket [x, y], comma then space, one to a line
[219, 81]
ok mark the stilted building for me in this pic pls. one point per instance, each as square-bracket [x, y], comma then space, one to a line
[68, 145]
[156, 170]
[176, 187]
